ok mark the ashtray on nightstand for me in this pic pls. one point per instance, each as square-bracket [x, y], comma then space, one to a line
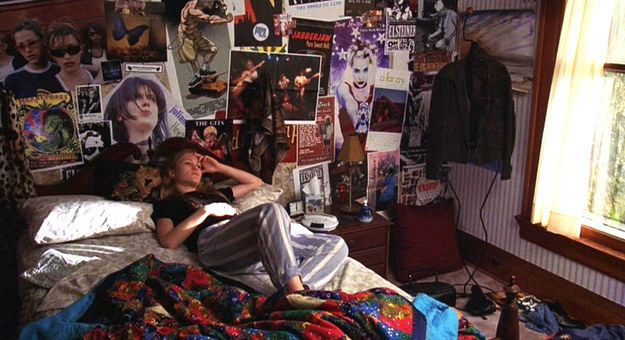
[320, 222]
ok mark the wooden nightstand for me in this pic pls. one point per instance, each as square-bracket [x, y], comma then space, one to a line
[368, 242]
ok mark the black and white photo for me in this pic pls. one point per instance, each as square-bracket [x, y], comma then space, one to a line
[89, 102]
[94, 138]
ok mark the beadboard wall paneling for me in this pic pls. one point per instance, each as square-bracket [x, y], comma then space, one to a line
[504, 202]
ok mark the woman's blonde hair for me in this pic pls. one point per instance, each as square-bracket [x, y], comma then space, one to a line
[167, 185]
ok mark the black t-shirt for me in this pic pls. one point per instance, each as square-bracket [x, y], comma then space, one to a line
[177, 209]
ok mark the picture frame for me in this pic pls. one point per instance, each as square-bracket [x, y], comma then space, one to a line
[314, 204]
[296, 208]
[111, 71]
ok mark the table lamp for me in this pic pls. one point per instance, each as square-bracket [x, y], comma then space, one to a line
[351, 154]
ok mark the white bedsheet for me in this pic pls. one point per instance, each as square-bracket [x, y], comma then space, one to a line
[109, 254]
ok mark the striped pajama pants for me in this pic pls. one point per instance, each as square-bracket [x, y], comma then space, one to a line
[258, 243]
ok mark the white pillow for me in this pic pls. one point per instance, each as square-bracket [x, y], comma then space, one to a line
[264, 194]
[56, 219]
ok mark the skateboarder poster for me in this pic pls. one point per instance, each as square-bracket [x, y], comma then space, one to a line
[199, 45]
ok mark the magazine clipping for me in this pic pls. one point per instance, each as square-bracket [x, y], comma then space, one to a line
[389, 107]
[424, 67]
[328, 10]
[316, 141]
[283, 25]
[292, 135]
[437, 26]
[89, 102]
[355, 8]
[400, 27]
[516, 52]
[171, 116]
[255, 26]
[213, 135]
[314, 37]
[312, 182]
[383, 177]
[295, 78]
[237, 143]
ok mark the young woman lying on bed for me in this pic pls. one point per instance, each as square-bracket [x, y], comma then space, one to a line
[257, 241]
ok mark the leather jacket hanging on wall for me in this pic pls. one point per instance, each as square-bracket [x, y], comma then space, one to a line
[264, 134]
[471, 115]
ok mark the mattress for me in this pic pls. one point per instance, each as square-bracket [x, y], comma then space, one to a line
[54, 276]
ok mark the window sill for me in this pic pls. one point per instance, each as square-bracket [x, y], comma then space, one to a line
[585, 250]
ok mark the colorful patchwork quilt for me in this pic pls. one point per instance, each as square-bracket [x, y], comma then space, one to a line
[151, 299]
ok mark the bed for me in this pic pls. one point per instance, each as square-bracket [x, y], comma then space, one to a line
[61, 261]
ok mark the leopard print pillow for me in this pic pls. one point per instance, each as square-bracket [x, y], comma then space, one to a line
[141, 184]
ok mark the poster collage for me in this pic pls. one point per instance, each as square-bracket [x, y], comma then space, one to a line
[143, 71]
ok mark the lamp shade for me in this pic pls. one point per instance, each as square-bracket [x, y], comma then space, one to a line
[351, 151]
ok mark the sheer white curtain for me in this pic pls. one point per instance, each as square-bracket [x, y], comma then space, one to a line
[575, 101]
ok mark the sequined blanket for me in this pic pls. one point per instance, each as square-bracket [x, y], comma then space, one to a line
[154, 299]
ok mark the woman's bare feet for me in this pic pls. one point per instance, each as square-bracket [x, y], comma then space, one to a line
[294, 285]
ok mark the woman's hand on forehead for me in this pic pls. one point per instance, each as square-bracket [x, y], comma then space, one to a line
[208, 164]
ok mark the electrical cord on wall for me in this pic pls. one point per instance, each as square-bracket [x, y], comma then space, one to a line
[481, 256]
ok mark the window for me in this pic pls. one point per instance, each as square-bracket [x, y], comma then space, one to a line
[606, 194]
[596, 249]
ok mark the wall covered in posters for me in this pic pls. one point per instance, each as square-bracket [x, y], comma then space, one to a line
[333, 69]
[184, 61]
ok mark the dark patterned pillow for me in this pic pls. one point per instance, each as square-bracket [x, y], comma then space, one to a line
[141, 185]
[132, 182]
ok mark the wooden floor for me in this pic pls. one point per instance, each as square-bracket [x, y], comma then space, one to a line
[488, 326]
